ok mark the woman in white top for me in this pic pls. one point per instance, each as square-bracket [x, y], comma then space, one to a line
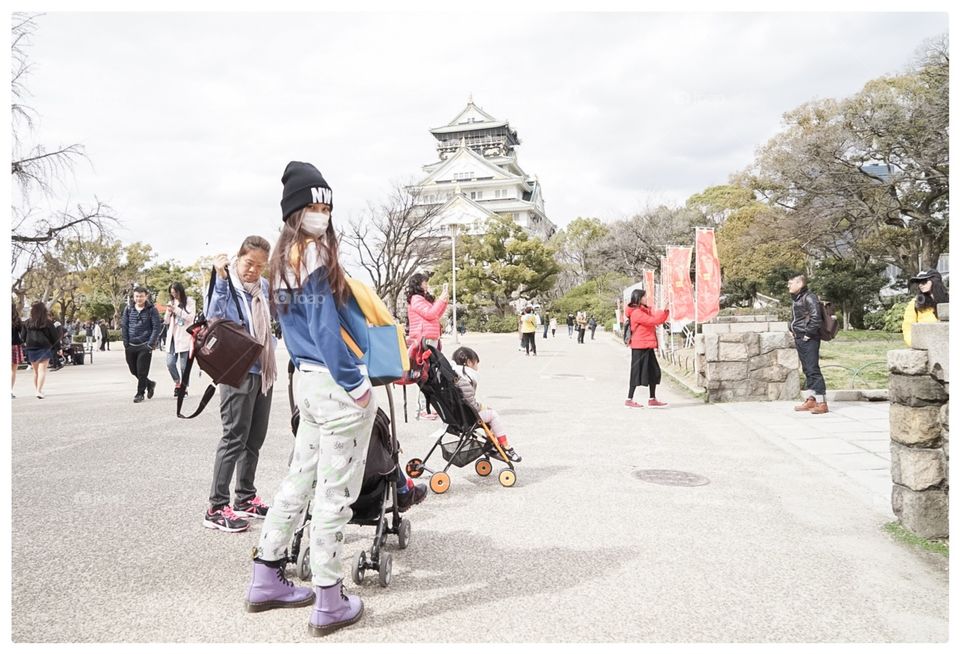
[179, 315]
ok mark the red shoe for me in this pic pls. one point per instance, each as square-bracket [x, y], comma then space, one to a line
[654, 402]
[633, 404]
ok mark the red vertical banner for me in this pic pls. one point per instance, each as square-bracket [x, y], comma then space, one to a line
[708, 276]
[681, 287]
[648, 285]
[664, 285]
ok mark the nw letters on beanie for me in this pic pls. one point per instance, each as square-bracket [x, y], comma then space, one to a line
[302, 185]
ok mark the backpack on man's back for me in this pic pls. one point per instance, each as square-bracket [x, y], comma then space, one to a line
[828, 322]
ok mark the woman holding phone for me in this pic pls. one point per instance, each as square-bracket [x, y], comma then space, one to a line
[424, 312]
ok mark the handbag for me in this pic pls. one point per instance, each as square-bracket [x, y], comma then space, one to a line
[223, 349]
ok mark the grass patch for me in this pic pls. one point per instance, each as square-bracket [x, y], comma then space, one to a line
[904, 535]
[854, 362]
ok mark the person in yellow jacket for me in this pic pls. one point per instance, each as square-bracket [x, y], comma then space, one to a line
[923, 308]
[528, 330]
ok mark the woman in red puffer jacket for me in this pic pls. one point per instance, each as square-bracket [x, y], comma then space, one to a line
[424, 313]
[644, 368]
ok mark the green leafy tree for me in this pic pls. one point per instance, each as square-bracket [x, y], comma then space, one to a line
[500, 266]
[850, 284]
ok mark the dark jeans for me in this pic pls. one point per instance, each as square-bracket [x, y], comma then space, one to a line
[809, 353]
[138, 361]
[529, 342]
[580, 334]
[245, 413]
[593, 331]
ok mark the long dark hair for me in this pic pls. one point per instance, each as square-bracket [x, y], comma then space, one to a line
[414, 287]
[636, 296]
[937, 295]
[181, 293]
[290, 248]
[39, 315]
[16, 322]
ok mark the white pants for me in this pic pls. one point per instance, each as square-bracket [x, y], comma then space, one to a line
[328, 461]
[492, 418]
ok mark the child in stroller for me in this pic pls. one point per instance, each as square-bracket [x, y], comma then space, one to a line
[469, 363]
[382, 480]
[465, 437]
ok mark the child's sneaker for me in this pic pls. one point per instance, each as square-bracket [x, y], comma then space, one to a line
[423, 415]
[224, 519]
[254, 508]
[512, 455]
[413, 496]
[655, 403]
[633, 404]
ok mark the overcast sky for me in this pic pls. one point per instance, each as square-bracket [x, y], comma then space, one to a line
[189, 119]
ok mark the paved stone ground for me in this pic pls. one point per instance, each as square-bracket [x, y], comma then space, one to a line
[782, 544]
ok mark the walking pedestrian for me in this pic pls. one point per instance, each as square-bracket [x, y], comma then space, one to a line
[336, 403]
[140, 327]
[244, 409]
[424, 313]
[545, 321]
[570, 321]
[178, 316]
[553, 326]
[40, 341]
[923, 308]
[644, 367]
[18, 356]
[581, 325]
[805, 328]
[528, 329]
[592, 324]
[104, 336]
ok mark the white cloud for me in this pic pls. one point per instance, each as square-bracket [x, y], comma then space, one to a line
[189, 119]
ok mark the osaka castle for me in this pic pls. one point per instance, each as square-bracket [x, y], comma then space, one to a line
[478, 177]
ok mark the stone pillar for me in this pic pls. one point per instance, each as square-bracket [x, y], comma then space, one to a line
[919, 430]
[747, 358]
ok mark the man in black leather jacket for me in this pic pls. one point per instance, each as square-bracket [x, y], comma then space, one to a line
[805, 328]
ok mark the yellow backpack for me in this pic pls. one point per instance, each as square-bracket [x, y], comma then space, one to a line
[386, 357]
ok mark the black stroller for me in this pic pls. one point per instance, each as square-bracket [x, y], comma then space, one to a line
[465, 438]
[373, 507]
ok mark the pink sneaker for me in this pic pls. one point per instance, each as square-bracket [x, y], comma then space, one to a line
[423, 415]
[633, 404]
[655, 403]
[255, 508]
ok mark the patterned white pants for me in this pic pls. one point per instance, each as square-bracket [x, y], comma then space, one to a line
[328, 461]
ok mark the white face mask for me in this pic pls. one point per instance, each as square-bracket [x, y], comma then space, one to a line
[315, 223]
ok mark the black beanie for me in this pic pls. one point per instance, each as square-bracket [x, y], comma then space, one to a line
[302, 185]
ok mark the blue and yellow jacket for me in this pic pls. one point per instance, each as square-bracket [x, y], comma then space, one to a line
[311, 322]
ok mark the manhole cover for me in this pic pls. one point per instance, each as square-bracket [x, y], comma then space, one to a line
[670, 477]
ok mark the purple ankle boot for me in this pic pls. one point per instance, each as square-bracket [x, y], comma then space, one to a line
[334, 609]
[270, 589]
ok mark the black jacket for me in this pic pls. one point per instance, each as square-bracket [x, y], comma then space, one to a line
[140, 327]
[806, 314]
[40, 337]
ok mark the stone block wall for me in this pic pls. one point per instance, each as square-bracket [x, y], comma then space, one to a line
[747, 358]
[920, 431]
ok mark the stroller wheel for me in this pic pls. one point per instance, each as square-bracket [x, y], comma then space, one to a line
[303, 564]
[507, 477]
[414, 468]
[386, 569]
[483, 467]
[440, 482]
[359, 568]
[403, 534]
